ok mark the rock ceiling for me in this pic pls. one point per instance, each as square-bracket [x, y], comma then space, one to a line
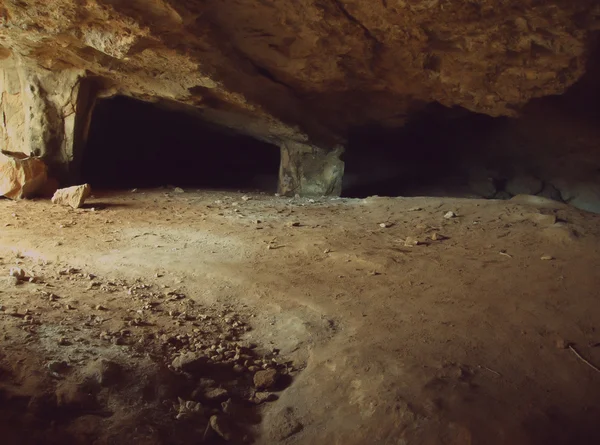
[310, 69]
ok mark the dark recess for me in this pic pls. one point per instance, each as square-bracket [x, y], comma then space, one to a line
[138, 144]
[423, 156]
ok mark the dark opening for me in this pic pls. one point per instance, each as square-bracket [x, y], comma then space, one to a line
[138, 144]
[429, 156]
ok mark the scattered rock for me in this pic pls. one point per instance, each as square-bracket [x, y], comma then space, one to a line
[411, 242]
[435, 236]
[261, 397]
[17, 272]
[216, 394]
[450, 215]
[222, 427]
[547, 258]
[524, 185]
[246, 198]
[178, 190]
[265, 379]
[293, 224]
[72, 196]
[189, 362]
[21, 176]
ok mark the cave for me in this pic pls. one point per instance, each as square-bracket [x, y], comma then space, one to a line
[434, 154]
[134, 144]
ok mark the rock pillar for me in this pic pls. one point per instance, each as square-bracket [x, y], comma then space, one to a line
[45, 114]
[307, 170]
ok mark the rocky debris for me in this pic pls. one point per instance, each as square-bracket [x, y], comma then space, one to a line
[524, 185]
[18, 273]
[266, 379]
[189, 362]
[222, 426]
[411, 242]
[262, 397]
[72, 196]
[178, 190]
[450, 215]
[187, 409]
[215, 394]
[484, 187]
[21, 176]
[547, 258]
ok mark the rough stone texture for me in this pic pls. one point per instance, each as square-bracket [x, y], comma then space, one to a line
[72, 196]
[309, 170]
[287, 72]
[524, 185]
[21, 176]
[265, 379]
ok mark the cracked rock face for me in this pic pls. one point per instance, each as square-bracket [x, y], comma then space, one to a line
[310, 69]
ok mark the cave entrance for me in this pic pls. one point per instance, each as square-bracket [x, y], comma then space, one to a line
[137, 144]
[437, 153]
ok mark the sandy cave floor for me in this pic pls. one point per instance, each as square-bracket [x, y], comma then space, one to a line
[468, 337]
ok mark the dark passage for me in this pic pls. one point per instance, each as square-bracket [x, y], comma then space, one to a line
[137, 144]
[429, 156]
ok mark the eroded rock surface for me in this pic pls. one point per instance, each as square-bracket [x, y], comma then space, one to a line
[21, 176]
[72, 196]
[296, 74]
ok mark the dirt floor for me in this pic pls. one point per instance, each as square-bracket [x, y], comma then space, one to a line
[170, 317]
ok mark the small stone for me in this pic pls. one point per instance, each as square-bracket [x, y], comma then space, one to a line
[265, 379]
[246, 198]
[216, 394]
[384, 225]
[411, 242]
[262, 396]
[99, 307]
[178, 190]
[437, 237]
[72, 196]
[221, 426]
[293, 224]
[189, 362]
[17, 272]
[547, 258]
[63, 341]
[450, 215]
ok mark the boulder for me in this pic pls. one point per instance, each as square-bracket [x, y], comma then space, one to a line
[21, 176]
[72, 196]
[524, 185]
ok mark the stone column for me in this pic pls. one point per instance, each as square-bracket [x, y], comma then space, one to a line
[307, 170]
[45, 114]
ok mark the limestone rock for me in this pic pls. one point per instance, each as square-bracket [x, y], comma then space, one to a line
[189, 362]
[21, 176]
[72, 196]
[265, 379]
[524, 185]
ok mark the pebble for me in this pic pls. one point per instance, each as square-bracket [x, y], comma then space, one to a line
[547, 258]
[411, 241]
[450, 215]
[216, 394]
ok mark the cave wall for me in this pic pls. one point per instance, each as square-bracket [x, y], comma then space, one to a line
[299, 74]
[45, 114]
